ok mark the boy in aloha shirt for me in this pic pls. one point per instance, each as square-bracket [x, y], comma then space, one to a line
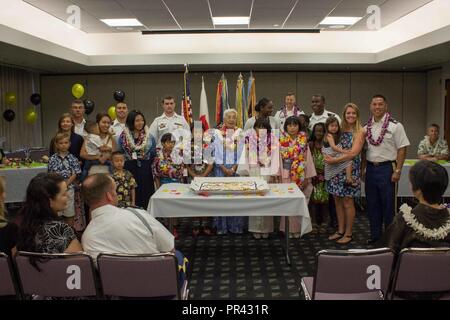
[125, 182]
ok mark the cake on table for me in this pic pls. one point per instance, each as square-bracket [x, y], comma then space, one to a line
[229, 186]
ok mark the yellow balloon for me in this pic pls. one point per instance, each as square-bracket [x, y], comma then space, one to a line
[10, 98]
[112, 112]
[31, 116]
[77, 90]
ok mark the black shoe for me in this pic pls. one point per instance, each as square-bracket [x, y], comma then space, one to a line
[372, 241]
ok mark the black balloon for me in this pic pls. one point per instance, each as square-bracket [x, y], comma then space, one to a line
[9, 115]
[89, 106]
[35, 99]
[119, 95]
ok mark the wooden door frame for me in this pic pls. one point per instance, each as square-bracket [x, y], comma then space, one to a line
[447, 110]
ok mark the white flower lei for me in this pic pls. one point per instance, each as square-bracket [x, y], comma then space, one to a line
[130, 139]
[434, 234]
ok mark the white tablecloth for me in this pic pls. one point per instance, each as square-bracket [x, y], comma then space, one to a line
[177, 200]
[17, 181]
[404, 188]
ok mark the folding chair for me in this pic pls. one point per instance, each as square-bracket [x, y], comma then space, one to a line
[152, 276]
[60, 275]
[350, 275]
[8, 284]
[422, 272]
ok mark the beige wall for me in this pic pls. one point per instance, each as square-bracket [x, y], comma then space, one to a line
[434, 97]
[406, 93]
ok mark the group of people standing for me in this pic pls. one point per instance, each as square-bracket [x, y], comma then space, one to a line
[320, 153]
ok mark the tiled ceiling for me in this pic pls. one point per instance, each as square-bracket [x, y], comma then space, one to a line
[196, 14]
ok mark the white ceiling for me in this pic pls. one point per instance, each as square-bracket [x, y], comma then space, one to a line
[196, 14]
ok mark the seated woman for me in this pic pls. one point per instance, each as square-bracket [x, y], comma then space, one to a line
[41, 229]
[428, 223]
[432, 147]
[8, 230]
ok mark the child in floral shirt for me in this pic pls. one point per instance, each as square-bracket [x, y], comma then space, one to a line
[67, 165]
[125, 182]
[165, 170]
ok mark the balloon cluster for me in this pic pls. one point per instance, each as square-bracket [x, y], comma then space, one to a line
[30, 115]
[77, 91]
[10, 99]
[119, 96]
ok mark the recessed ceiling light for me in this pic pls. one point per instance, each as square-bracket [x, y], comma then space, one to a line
[230, 20]
[347, 21]
[124, 28]
[337, 26]
[122, 22]
[276, 25]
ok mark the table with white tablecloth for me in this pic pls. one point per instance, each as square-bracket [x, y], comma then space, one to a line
[17, 180]
[175, 200]
[404, 188]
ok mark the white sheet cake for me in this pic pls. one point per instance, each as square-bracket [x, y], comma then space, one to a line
[229, 186]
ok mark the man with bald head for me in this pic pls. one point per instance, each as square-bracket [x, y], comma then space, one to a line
[117, 230]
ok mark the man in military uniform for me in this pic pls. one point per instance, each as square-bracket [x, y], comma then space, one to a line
[320, 115]
[169, 121]
[119, 123]
[385, 155]
[289, 109]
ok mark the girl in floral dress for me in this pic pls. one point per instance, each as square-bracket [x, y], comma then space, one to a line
[165, 169]
[318, 205]
[261, 160]
[297, 166]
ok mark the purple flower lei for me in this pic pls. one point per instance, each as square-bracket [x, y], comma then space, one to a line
[382, 133]
[296, 110]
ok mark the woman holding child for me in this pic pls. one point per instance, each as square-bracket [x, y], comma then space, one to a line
[99, 162]
[342, 186]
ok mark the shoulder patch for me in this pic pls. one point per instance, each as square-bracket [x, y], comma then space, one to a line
[393, 120]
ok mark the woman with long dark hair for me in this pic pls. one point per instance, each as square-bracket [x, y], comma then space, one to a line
[264, 109]
[42, 230]
[8, 230]
[101, 161]
[139, 147]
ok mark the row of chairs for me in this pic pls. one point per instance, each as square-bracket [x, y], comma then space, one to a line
[379, 274]
[339, 275]
[73, 275]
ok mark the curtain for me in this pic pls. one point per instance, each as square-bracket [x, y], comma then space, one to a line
[18, 133]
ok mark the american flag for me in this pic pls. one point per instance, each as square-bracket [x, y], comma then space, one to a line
[186, 106]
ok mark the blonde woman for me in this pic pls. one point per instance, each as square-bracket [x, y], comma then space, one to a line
[8, 230]
[352, 139]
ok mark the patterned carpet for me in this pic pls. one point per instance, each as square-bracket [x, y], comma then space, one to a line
[240, 267]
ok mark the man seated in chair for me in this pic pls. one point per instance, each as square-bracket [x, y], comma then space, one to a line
[122, 230]
[432, 147]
